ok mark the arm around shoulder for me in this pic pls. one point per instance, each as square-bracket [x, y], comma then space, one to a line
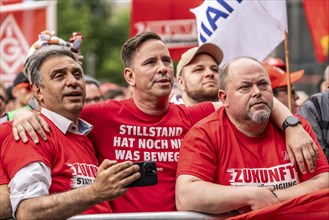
[300, 145]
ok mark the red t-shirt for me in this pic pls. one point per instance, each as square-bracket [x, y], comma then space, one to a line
[216, 151]
[122, 132]
[70, 157]
[5, 131]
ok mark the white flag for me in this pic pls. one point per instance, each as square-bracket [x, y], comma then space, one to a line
[242, 27]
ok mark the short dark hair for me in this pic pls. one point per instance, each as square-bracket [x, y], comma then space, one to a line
[129, 48]
[34, 62]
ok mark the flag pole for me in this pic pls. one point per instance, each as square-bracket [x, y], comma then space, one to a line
[286, 48]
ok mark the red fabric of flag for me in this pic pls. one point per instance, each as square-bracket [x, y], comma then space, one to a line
[312, 206]
[317, 16]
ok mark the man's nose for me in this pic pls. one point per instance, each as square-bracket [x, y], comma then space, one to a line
[162, 68]
[71, 80]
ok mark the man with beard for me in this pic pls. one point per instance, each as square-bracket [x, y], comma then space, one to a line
[239, 146]
[197, 75]
[149, 127]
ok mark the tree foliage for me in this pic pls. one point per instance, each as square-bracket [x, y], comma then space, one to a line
[105, 28]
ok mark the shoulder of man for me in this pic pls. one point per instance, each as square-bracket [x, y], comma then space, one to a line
[11, 114]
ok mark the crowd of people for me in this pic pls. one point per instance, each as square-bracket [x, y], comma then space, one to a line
[71, 151]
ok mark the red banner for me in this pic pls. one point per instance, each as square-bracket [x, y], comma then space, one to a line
[312, 206]
[19, 28]
[317, 16]
[170, 19]
[8, 2]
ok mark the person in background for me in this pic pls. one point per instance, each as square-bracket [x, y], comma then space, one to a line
[316, 111]
[21, 90]
[197, 74]
[60, 177]
[11, 99]
[3, 99]
[279, 85]
[148, 127]
[303, 96]
[116, 94]
[236, 158]
[113, 91]
[104, 87]
[324, 83]
[93, 93]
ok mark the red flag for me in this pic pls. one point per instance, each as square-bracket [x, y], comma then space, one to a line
[317, 16]
[8, 2]
[312, 206]
[170, 19]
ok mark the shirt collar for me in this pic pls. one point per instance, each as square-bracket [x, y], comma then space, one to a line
[66, 125]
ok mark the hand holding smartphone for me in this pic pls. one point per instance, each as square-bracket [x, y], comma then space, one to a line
[148, 174]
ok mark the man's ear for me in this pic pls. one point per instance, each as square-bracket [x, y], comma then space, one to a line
[37, 93]
[222, 97]
[181, 83]
[129, 76]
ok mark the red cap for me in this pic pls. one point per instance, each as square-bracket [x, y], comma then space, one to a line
[274, 61]
[278, 76]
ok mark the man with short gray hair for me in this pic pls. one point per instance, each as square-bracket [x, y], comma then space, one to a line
[149, 127]
[60, 177]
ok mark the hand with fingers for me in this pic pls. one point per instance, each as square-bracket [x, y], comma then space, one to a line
[27, 121]
[261, 197]
[301, 148]
[112, 179]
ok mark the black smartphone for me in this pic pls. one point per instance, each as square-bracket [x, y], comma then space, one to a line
[148, 174]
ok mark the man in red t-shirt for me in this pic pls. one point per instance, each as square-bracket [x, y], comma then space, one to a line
[60, 177]
[148, 127]
[236, 158]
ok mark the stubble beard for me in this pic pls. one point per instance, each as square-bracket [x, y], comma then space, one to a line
[260, 116]
[202, 95]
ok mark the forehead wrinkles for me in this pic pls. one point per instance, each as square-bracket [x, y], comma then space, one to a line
[60, 62]
[152, 48]
[251, 74]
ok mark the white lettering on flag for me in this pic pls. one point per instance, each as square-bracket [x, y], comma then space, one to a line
[242, 27]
